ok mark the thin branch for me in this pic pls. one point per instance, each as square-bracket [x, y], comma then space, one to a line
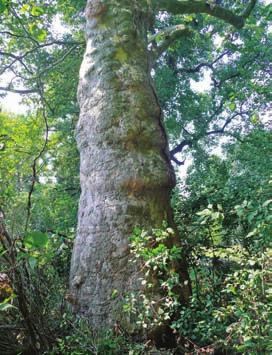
[9, 88]
[49, 44]
[36, 159]
[14, 13]
[6, 54]
[223, 128]
[19, 91]
[201, 6]
[59, 61]
[16, 59]
[19, 58]
[197, 68]
[249, 9]
[189, 142]
[8, 33]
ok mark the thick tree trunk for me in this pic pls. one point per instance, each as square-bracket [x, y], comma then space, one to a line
[126, 175]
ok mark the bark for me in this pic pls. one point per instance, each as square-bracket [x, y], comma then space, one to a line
[126, 175]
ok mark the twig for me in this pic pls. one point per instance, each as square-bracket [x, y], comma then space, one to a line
[36, 159]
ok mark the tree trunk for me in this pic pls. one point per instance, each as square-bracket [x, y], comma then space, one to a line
[126, 175]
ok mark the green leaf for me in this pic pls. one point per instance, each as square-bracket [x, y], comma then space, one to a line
[5, 306]
[114, 294]
[37, 11]
[32, 28]
[32, 262]
[36, 239]
[255, 119]
[204, 213]
[25, 8]
[41, 35]
[3, 5]
[266, 203]
[232, 106]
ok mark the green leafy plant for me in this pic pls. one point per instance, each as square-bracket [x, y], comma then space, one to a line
[158, 258]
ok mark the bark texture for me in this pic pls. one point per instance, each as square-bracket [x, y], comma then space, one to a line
[126, 175]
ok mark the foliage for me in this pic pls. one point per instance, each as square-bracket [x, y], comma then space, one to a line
[225, 217]
[55, 200]
[157, 258]
[34, 294]
[215, 82]
[82, 340]
[249, 309]
[225, 214]
[20, 139]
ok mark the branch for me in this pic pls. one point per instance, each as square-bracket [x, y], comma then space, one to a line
[21, 22]
[179, 148]
[236, 74]
[169, 36]
[19, 91]
[189, 142]
[178, 162]
[16, 59]
[227, 122]
[197, 68]
[249, 9]
[8, 33]
[20, 58]
[37, 158]
[9, 88]
[201, 6]
[10, 55]
[59, 61]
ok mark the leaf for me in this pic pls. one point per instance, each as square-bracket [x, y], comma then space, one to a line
[232, 106]
[32, 27]
[114, 294]
[25, 8]
[37, 11]
[266, 203]
[32, 262]
[121, 55]
[255, 119]
[5, 306]
[36, 239]
[204, 213]
[41, 35]
[232, 95]
[3, 5]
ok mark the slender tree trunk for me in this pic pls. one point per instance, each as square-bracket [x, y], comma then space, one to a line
[126, 175]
